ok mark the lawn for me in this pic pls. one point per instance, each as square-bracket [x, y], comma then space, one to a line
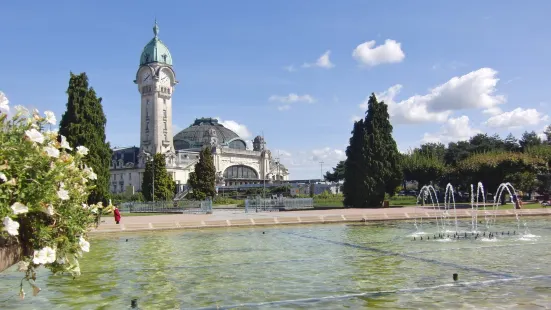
[336, 201]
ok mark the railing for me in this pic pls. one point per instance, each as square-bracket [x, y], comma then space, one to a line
[182, 194]
[271, 205]
[196, 207]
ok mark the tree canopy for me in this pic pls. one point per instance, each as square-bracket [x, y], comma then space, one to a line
[157, 183]
[372, 167]
[83, 123]
[202, 180]
[487, 158]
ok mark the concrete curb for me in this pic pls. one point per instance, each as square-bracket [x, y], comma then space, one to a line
[308, 219]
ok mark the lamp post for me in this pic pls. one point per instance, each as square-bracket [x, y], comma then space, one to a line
[150, 158]
[321, 169]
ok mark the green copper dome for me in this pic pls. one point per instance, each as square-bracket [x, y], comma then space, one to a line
[155, 50]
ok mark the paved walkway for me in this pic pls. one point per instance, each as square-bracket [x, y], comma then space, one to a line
[227, 218]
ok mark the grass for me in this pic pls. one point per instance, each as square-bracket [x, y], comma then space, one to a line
[336, 201]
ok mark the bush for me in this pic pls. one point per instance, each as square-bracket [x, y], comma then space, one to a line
[43, 193]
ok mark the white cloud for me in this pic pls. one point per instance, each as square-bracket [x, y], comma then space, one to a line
[240, 129]
[474, 90]
[493, 111]
[519, 117]
[455, 129]
[322, 62]
[290, 68]
[291, 98]
[369, 55]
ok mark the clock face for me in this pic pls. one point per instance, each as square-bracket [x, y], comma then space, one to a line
[146, 77]
[164, 79]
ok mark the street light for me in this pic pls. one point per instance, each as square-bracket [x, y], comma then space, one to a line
[150, 158]
[321, 169]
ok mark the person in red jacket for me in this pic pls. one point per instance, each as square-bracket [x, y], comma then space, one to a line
[117, 215]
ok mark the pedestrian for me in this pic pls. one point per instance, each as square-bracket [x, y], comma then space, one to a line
[117, 214]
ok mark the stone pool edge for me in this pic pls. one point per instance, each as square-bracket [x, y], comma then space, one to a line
[299, 220]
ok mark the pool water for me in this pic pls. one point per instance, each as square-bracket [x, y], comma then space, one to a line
[302, 267]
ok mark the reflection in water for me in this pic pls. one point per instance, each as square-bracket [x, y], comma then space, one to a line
[286, 266]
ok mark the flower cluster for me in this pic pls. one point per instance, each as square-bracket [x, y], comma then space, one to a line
[44, 186]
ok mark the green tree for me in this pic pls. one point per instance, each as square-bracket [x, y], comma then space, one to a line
[529, 139]
[355, 168]
[425, 168]
[496, 167]
[511, 144]
[337, 174]
[203, 178]
[435, 150]
[157, 180]
[547, 133]
[374, 154]
[84, 124]
[457, 151]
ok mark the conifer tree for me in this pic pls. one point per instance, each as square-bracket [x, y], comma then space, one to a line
[373, 160]
[203, 178]
[354, 168]
[84, 124]
[156, 175]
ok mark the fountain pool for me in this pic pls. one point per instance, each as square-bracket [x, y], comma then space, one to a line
[300, 267]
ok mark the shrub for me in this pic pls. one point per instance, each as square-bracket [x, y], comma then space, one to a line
[43, 193]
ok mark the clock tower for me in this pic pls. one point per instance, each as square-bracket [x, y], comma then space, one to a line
[156, 80]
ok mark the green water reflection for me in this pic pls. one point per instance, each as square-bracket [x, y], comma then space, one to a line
[262, 267]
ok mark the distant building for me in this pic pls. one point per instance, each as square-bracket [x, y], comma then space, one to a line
[235, 164]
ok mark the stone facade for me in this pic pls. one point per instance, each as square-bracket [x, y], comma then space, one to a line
[235, 164]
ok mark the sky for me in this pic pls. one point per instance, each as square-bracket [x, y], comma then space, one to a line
[297, 72]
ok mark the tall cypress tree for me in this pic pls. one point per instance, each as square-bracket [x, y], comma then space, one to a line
[373, 160]
[84, 124]
[354, 168]
[203, 178]
[164, 185]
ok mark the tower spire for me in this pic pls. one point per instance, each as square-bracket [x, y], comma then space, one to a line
[156, 28]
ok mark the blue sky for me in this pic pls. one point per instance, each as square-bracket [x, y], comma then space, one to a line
[447, 69]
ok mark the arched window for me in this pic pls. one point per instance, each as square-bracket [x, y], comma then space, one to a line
[240, 172]
[238, 145]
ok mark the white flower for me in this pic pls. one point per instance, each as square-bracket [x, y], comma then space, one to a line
[82, 150]
[19, 208]
[21, 110]
[49, 253]
[11, 226]
[90, 173]
[61, 260]
[94, 210]
[22, 266]
[39, 257]
[44, 256]
[3, 177]
[63, 194]
[50, 117]
[4, 107]
[84, 206]
[52, 151]
[50, 210]
[34, 135]
[84, 245]
[65, 144]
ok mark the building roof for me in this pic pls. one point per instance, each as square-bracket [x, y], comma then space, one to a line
[197, 134]
[155, 50]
